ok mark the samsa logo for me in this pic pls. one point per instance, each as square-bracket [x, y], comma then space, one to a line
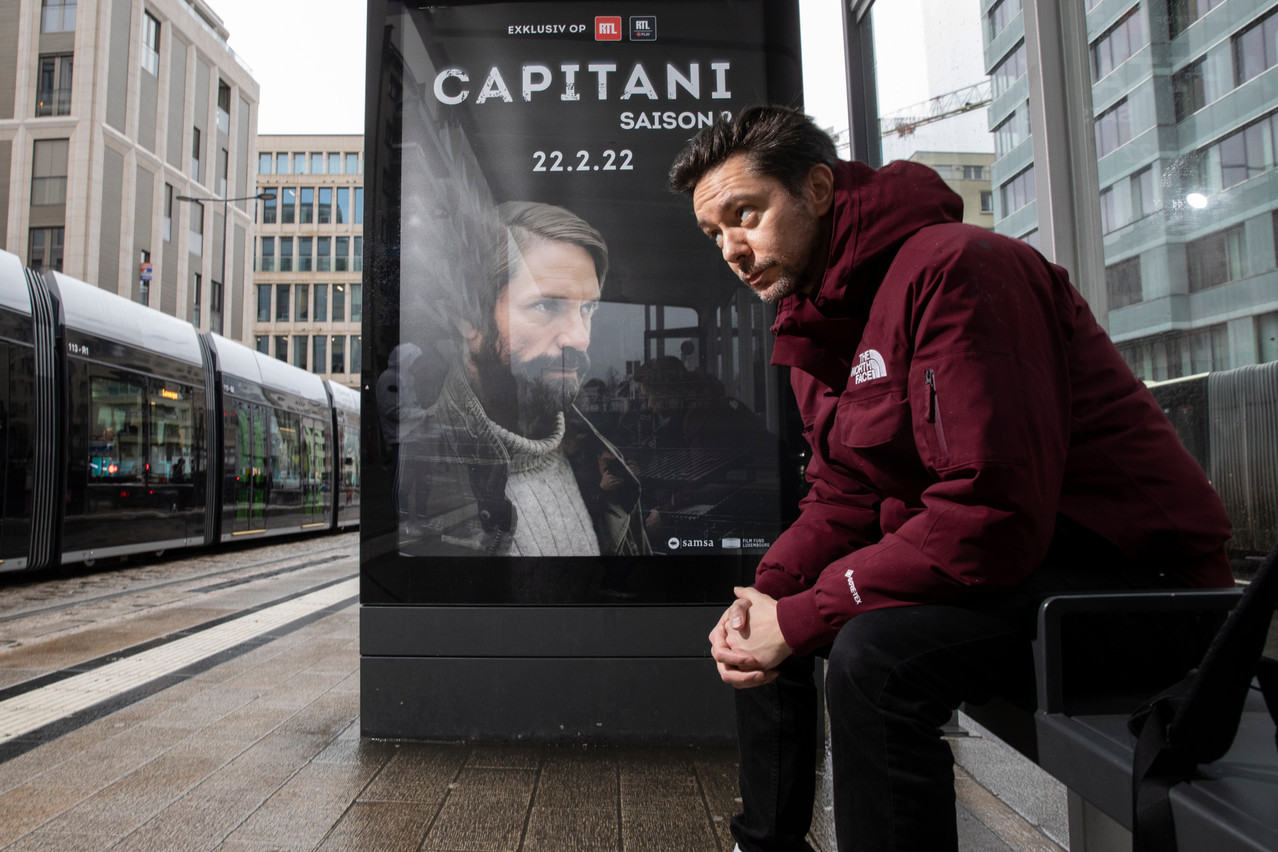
[869, 366]
[608, 28]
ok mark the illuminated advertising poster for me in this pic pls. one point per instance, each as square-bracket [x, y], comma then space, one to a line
[573, 395]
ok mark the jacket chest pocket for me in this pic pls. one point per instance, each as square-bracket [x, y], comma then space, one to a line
[875, 438]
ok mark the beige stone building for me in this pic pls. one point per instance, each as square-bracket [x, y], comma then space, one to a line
[968, 174]
[310, 245]
[110, 110]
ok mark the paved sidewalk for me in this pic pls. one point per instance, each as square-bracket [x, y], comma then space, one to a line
[262, 752]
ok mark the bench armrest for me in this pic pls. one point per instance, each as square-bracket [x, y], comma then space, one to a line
[1053, 614]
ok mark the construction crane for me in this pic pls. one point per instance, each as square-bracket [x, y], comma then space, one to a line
[904, 122]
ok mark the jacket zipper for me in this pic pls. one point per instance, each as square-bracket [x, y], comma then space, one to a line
[934, 413]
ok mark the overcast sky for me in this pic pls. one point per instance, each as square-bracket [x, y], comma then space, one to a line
[308, 57]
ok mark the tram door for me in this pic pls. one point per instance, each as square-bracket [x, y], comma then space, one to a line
[251, 475]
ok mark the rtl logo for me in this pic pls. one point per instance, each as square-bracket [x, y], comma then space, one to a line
[608, 28]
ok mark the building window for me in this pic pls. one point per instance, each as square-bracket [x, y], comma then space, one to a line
[288, 202]
[1216, 258]
[197, 293]
[1122, 283]
[339, 303]
[286, 254]
[317, 164]
[299, 163]
[325, 210]
[215, 307]
[356, 356]
[1118, 43]
[197, 229]
[357, 254]
[974, 173]
[281, 347]
[223, 106]
[304, 254]
[359, 206]
[150, 44]
[306, 207]
[195, 154]
[263, 344]
[321, 303]
[144, 283]
[323, 255]
[300, 345]
[267, 263]
[339, 354]
[264, 162]
[168, 212]
[357, 302]
[1011, 69]
[987, 201]
[334, 164]
[268, 205]
[302, 298]
[281, 302]
[1019, 191]
[263, 302]
[281, 164]
[1001, 14]
[1241, 155]
[223, 166]
[319, 353]
[1144, 201]
[44, 249]
[1255, 49]
[49, 172]
[1113, 128]
[352, 164]
[1267, 337]
[341, 254]
[57, 16]
[53, 88]
[343, 206]
[1188, 95]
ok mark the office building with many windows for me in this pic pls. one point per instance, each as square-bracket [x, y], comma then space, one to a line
[1181, 101]
[310, 245]
[111, 112]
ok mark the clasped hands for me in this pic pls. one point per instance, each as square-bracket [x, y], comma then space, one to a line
[746, 644]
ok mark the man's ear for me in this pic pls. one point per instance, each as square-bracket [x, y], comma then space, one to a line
[820, 188]
[474, 340]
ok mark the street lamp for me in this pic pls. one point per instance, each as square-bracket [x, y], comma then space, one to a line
[263, 196]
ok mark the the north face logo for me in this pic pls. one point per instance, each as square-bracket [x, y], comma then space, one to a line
[870, 366]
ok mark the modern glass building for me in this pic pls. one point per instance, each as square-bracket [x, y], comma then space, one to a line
[1171, 107]
[309, 254]
[112, 111]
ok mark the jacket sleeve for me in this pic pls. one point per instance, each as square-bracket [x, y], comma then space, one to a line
[831, 522]
[982, 422]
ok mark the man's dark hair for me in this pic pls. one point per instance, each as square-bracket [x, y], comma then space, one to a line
[780, 142]
[520, 225]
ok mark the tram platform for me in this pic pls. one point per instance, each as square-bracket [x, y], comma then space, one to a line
[256, 744]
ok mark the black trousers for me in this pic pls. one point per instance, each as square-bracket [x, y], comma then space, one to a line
[893, 678]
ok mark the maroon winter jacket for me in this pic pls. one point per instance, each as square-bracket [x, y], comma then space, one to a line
[959, 398]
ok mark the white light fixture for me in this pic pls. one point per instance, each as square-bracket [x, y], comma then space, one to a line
[1196, 200]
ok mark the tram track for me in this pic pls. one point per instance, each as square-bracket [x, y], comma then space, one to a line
[300, 561]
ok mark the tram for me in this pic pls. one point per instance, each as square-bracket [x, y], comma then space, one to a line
[124, 430]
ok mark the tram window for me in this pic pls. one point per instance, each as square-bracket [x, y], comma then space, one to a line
[172, 454]
[116, 449]
[286, 451]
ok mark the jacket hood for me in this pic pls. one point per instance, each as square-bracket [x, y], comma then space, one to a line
[874, 212]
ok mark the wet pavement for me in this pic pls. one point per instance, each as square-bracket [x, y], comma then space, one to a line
[258, 746]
